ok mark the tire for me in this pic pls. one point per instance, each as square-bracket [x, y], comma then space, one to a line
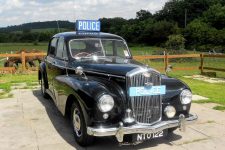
[80, 126]
[43, 89]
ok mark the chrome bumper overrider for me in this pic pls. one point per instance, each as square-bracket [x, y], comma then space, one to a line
[120, 131]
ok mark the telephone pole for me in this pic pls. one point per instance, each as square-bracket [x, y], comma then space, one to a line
[185, 18]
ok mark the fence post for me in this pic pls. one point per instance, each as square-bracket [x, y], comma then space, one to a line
[202, 63]
[23, 57]
[166, 61]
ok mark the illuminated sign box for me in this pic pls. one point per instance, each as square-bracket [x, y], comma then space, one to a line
[88, 25]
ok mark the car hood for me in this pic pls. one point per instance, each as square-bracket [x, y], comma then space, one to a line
[109, 65]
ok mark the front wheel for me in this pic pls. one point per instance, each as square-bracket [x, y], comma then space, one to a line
[80, 126]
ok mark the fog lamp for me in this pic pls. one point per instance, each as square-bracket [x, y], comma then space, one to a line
[170, 111]
[105, 116]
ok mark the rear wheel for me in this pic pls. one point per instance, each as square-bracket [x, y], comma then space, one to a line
[43, 89]
[80, 126]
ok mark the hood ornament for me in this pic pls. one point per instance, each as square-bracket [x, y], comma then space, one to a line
[80, 71]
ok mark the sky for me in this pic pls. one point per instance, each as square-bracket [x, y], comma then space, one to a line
[14, 12]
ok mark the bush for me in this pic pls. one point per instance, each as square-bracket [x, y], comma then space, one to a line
[175, 42]
[35, 42]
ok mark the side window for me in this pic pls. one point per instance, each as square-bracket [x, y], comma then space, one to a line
[65, 52]
[121, 49]
[61, 49]
[108, 46]
[52, 49]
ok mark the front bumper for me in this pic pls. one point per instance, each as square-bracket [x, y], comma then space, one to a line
[120, 131]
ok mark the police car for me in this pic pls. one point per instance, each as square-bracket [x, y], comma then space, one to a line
[95, 82]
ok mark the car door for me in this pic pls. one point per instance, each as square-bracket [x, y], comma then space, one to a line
[61, 60]
[50, 62]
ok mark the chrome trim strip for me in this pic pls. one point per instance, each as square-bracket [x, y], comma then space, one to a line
[136, 71]
[87, 71]
[109, 75]
[120, 131]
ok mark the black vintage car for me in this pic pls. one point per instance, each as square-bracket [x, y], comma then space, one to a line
[93, 80]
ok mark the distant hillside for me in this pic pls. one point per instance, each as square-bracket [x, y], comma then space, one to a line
[40, 26]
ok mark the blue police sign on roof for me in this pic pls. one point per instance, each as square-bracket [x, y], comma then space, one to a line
[88, 25]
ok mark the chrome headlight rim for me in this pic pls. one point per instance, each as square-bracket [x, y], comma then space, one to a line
[105, 103]
[186, 97]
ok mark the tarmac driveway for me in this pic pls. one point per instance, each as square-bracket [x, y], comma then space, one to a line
[30, 122]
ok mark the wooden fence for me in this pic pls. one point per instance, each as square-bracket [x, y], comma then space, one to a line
[202, 67]
[23, 56]
[164, 68]
[166, 58]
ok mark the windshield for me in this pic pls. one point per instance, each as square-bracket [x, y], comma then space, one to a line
[87, 48]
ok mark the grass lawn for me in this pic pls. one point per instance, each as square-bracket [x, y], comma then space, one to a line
[215, 92]
[8, 80]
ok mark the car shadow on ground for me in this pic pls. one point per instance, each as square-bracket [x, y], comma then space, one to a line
[64, 129]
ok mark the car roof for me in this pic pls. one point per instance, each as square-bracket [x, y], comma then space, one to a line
[78, 35]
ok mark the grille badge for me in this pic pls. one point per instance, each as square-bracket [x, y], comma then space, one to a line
[148, 84]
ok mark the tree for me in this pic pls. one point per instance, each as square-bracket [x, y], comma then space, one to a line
[157, 32]
[215, 16]
[174, 10]
[143, 15]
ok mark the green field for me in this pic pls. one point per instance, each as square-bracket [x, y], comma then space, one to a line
[45, 30]
[13, 47]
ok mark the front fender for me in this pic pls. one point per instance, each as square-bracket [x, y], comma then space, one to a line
[173, 87]
[172, 97]
[87, 93]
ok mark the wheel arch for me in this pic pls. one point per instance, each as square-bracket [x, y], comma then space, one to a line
[43, 74]
[70, 100]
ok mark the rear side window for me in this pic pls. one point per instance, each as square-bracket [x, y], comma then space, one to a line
[53, 44]
[61, 49]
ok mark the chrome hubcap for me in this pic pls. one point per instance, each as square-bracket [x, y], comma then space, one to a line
[77, 122]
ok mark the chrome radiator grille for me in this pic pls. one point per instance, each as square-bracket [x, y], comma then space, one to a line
[146, 109]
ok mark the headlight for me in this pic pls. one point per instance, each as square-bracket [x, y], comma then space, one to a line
[105, 103]
[170, 111]
[185, 97]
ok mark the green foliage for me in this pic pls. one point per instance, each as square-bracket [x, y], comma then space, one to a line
[174, 10]
[175, 42]
[143, 15]
[215, 16]
[202, 36]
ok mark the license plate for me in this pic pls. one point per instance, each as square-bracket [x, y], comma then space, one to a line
[147, 90]
[143, 137]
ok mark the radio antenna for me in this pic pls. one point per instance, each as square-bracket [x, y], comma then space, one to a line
[58, 25]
